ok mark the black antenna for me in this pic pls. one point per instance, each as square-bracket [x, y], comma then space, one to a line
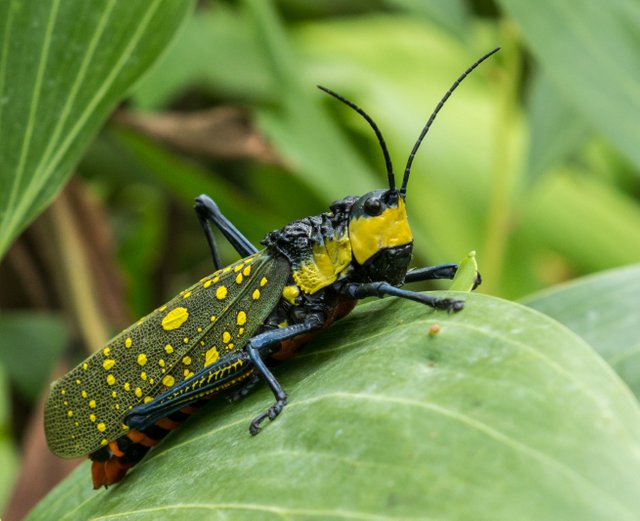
[405, 179]
[383, 145]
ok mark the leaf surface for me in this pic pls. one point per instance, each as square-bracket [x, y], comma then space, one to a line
[591, 56]
[503, 414]
[603, 309]
[63, 67]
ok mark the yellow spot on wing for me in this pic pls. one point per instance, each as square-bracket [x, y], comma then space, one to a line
[128, 343]
[263, 281]
[241, 319]
[142, 359]
[168, 349]
[211, 356]
[92, 404]
[111, 379]
[256, 294]
[168, 380]
[221, 292]
[101, 427]
[175, 318]
[108, 364]
[226, 337]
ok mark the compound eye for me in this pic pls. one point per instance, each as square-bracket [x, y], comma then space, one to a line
[373, 206]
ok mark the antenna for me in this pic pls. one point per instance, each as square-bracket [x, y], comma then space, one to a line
[383, 145]
[407, 170]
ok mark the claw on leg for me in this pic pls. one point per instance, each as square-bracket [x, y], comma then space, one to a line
[271, 413]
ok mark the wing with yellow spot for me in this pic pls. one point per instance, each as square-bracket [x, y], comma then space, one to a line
[219, 314]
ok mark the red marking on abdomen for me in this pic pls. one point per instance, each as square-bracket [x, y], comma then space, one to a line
[289, 347]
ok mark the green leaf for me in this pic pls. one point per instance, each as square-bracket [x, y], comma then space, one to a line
[588, 221]
[465, 277]
[504, 414]
[591, 56]
[8, 453]
[603, 309]
[63, 67]
[218, 48]
[296, 123]
[557, 131]
[452, 16]
[25, 337]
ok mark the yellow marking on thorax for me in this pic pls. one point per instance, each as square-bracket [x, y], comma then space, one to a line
[327, 261]
[369, 235]
[290, 293]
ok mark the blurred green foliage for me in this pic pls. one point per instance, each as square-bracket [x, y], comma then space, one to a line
[533, 177]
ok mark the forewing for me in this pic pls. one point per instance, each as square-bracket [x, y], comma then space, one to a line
[85, 408]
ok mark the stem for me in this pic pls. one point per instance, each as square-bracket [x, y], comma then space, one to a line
[501, 199]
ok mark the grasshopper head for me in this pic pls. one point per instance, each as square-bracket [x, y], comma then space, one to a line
[381, 240]
[379, 233]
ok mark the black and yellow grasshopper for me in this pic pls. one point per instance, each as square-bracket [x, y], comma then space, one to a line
[218, 336]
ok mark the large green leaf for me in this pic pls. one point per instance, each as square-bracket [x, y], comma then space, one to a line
[589, 51]
[603, 309]
[503, 414]
[63, 67]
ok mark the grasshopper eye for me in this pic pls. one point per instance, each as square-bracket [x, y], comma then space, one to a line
[373, 206]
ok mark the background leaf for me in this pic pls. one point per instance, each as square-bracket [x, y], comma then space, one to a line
[557, 131]
[8, 449]
[504, 414]
[603, 309]
[26, 337]
[64, 64]
[590, 53]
